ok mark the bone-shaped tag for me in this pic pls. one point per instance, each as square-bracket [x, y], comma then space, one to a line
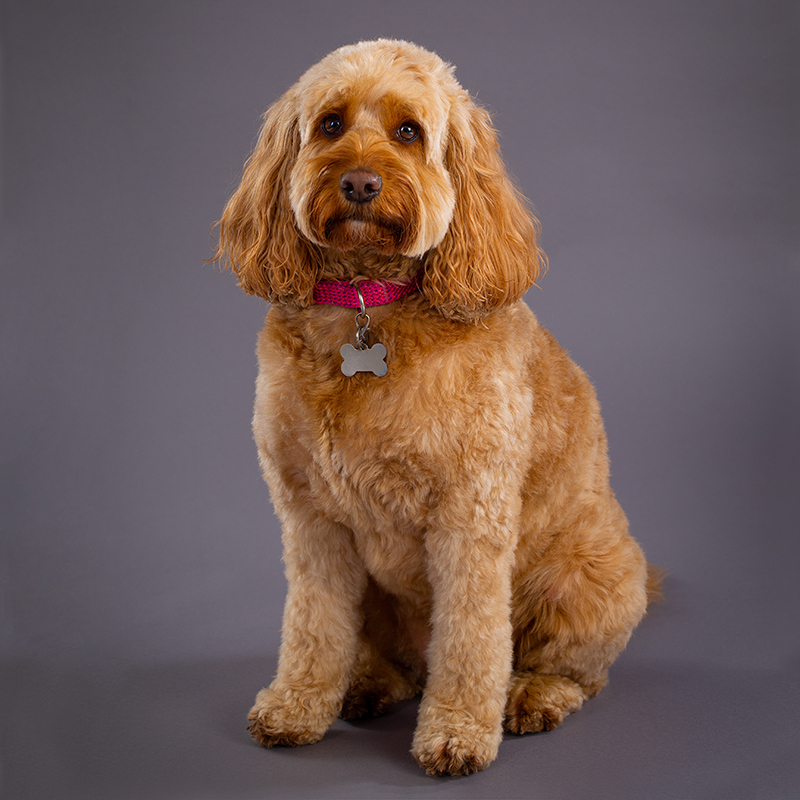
[369, 360]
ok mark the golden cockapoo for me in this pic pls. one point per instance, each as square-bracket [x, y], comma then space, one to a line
[447, 518]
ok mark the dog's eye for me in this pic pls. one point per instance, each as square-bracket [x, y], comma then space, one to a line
[332, 125]
[408, 132]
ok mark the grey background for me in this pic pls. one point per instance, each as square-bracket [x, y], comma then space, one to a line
[141, 576]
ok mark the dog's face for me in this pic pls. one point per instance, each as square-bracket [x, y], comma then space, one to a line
[370, 171]
[378, 148]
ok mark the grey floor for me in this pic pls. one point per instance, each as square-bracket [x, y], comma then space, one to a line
[140, 575]
[663, 728]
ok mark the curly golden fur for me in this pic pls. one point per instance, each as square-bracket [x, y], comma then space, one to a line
[449, 526]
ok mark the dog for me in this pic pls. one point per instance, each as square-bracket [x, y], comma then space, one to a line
[448, 525]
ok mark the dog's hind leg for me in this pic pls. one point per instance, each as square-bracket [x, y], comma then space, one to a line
[573, 614]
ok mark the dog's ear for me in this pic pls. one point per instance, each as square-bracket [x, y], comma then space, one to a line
[258, 238]
[490, 254]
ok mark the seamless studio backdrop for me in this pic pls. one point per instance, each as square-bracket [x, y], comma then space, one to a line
[141, 578]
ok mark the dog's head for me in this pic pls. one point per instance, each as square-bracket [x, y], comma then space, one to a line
[378, 148]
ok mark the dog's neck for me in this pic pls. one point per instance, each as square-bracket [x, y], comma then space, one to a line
[367, 265]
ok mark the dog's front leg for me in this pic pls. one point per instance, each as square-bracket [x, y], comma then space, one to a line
[321, 622]
[470, 554]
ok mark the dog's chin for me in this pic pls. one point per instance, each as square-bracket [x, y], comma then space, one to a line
[358, 234]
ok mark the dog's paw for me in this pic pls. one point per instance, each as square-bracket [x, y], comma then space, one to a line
[366, 700]
[540, 702]
[371, 695]
[286, 721]
[453, 756]
[458, 746]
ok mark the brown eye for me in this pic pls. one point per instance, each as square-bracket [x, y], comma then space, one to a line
[408, 132]
[332, 125]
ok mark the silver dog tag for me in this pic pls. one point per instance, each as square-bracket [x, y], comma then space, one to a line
[371, 359]
[363, 358]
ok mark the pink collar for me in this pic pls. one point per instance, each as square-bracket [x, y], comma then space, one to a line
[376, 293]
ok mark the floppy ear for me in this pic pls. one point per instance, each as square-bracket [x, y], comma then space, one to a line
[490, 254]
[258, 238]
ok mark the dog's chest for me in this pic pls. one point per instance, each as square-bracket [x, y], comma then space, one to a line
[378, 477]
[382, 455]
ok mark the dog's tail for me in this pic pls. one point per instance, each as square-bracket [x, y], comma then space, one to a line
[655, 584]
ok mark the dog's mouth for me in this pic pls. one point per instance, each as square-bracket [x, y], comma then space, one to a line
[348, 233]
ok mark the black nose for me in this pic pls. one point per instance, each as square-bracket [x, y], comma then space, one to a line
[360, 185]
